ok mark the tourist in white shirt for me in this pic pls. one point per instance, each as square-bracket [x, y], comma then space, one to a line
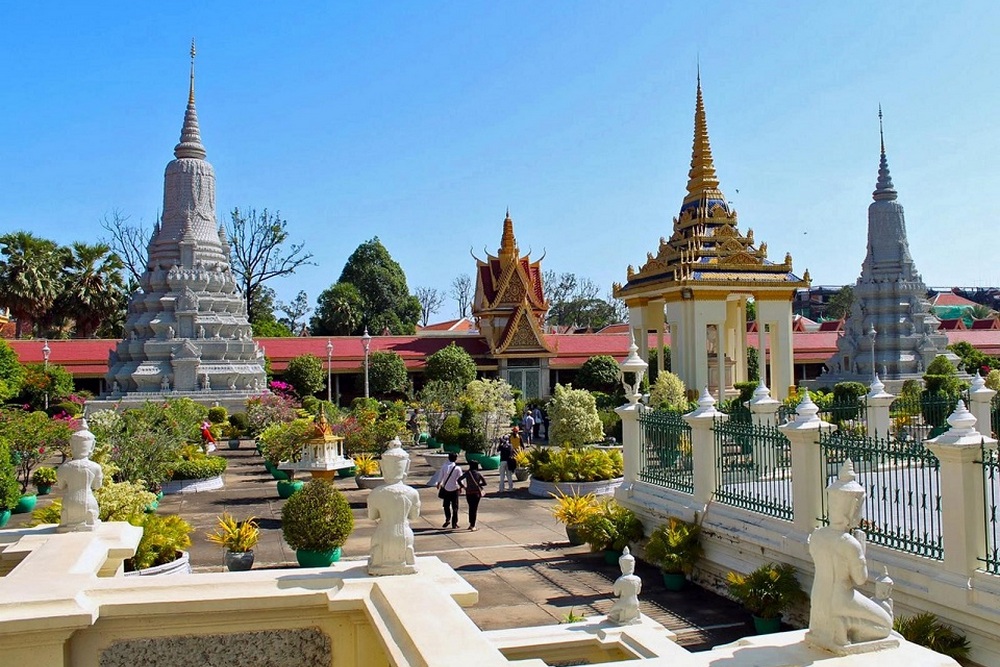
[448, 490]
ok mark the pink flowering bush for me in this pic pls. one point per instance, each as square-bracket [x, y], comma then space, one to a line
[262, 411]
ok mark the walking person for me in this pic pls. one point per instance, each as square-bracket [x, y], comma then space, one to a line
[473, 483]
[536, 414]
[507, 464]
[527, 425]
[448, 490]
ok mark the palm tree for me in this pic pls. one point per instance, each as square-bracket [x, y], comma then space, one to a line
[981, 312]
[95, 288]
[30, 277]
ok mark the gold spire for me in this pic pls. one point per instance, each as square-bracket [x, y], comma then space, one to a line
[702, 181]
[508, 244]
[191, 89]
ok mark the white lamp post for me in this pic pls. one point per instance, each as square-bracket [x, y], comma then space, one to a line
[634, 364]
[366, 341]
[871, 334]
[329, 369]
[46, 351]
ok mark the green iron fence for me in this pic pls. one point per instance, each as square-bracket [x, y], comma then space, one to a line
[754, 467]
[846, 412]
[990, 461]
[902, 481]
[921, 417]
[665, 450]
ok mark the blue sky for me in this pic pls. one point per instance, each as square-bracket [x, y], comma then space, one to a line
[420, 122]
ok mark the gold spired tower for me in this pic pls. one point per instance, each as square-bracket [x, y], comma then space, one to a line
[699, 282]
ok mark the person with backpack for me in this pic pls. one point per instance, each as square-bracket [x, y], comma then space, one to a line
[507, 463]
[473, 483]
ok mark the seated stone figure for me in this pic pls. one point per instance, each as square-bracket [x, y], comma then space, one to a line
[80, 478]
[393, 505]
[841, 615]
[625, 610]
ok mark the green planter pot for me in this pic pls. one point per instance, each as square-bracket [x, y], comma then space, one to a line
[279, 475]
[25, 504]
[152, 507]
[347, 472]
[307, 558]
[766, 626]
[452, 449]
[4, 517]
[611, 556]
[574, 536]
[286, 487]
[43, 489]
[433, 443]
[674, 581]
[485, 462]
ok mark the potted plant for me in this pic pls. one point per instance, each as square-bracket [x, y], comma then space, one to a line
[523, 461]
[366, 472]
[232, 433]
[238, 538]
[162, 547]
[610, 528]
[571, 511]
[316, 522]
[282, 442]
[43, 478]
[675, 547]
[766, 593]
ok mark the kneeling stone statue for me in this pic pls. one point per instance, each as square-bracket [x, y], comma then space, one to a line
[393, 505]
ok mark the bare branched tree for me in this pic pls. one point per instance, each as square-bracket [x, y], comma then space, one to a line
[431, 301]
[256, 242]
[461, 292]
[128, 240]
[295, 311]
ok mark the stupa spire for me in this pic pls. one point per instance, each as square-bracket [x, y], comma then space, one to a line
[508, 244]
[883, 187]
[190, 145]
[702, 179]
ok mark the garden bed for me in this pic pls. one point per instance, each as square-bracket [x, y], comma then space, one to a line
[193, 485]
[604, 487]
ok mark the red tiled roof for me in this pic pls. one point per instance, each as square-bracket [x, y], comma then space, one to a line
[621, 327]
[832, 325]
[951, 299]
[461, 324]
[952, 325]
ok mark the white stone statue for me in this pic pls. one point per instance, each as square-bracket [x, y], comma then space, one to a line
[842, 616]
[79, 478]
[206, 383]
[201, 331]
[393, 505]
[115, 388]
[165, 384]
[625, 610]
[170, 333]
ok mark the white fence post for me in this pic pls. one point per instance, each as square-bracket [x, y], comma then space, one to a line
[981, 404]
[703, 459]
[808, 481]
[878, 401]
[630, 440]
[763, 408]
[963, 513]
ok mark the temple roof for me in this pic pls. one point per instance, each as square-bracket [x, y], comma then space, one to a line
[503, 280]
[706, 246]
[190, 145]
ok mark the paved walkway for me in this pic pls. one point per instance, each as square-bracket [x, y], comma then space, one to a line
[519, 560]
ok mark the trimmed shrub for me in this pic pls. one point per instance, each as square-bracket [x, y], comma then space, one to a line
[210, 466]
[240, 421]
[10, 490]
[573, 417]
[317, 518]
[162, 538]
[451, 364]
[386, 373]
[668, 392]
[305, 374]
[599, 373]
[217, 414]
[450, 432]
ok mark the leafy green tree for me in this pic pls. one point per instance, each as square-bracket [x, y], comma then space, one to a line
[39, 381]
[573, 417]
[492, 405]
[261, 315]
[599, 373]
[257, 243]
[575, 301]
[386, 373]
[294, 311]
[973, 360]
[305, 374]
[385, 299]
[31, 275]
[840, 303]
[941, 377]
[11, 372]
[94, 290]
[451, 364]
[338, 311]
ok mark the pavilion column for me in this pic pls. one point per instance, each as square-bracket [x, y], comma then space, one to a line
[740, 342]
[657, 312]
[698, 380]
[637, 322]
[723, 345]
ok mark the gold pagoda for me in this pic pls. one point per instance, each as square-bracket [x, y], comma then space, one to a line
[510, 308]
[699, 283]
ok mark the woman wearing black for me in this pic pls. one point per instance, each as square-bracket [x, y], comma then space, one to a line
[473, 483]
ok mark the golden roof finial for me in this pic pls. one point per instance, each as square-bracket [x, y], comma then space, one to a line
[191, 89]
[508, 244]
[702, 179]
